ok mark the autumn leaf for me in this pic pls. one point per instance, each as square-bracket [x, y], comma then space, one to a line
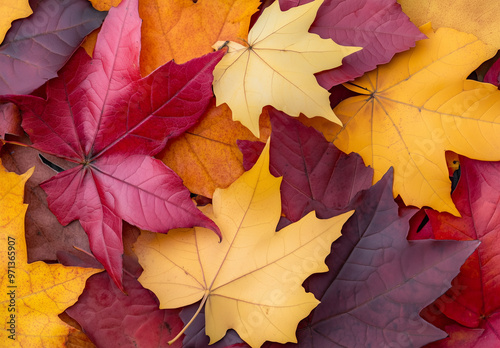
[418, 106]
[251, 280]
[316, 175]
[379, 26]
[186, 29]
[32, 294]
[277, 67]
[37, 47]
[206, 156]
[114, 319]
[476, 17]
[12, 10]
[10, 120]
[101, 116]
[493, 74]
[378, 280]
[473, 301]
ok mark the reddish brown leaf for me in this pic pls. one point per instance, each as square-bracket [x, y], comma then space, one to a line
[100, 115]
[10, 120]
[379, 26]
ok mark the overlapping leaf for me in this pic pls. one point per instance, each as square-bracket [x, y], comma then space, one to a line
[471, 16]
[277, 66]
[37, 47]
[251, 280]
[473, 300]
[206, 156]
[418, 106]
[183, 30]
[378, 281]
[316, 175]
[379, 26]
[33, 294]
[102, 116]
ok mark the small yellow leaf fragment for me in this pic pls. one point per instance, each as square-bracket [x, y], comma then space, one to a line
[277, 67]
[252, 280]
[11, 10]
[32, 295]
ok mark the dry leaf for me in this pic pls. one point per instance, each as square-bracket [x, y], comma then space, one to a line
[251, 281]
[277, 66]
[12, 10]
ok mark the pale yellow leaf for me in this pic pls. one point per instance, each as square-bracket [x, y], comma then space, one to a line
[276, 67]
[252, 279]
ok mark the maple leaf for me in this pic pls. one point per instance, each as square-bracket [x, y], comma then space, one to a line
[206, 156]
[251, 280]
[101, 116]
[33, 294]
[417, 107]
[277, 67]
[471, 16]
[379, 26]
[12, 10]
[473, 300]
[10, 120]
[493, 74]
[37, 47]
[183, 30]
[316, 175]
[378, 280]
[114, 319]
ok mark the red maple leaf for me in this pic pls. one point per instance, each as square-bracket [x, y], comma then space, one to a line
[102, 116]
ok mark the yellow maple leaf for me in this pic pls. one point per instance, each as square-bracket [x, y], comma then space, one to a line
[185, 29]
[277, 67]
[417, 107]
[478, 17]
[12, 10]
[32, 295]
[251, 281]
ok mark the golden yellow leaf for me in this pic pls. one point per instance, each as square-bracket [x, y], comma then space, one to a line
[185, 29]
[417, 107]
[478, 17]
[207, 156]
[251, 281]
[32, 295]
[277, 66]
[11, 10]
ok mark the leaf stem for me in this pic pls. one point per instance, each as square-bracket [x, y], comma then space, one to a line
[202, 303]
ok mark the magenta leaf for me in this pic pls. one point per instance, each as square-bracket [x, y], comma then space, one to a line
[101, 115]
[35, 48]
[379, 26]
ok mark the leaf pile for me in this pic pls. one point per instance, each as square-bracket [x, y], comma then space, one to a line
[306, 173]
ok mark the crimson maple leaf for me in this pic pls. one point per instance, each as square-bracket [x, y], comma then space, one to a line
[101, 115]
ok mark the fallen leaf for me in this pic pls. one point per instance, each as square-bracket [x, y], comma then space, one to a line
[206, 156]
[277, 66]
[113, 319]
[12, 10]
[185, 29]
[316, 175]
[471, 16]
[379, 26]
[418, 106]
[493, 74]
[101, 116]
[473, 300]
[45, 236]
[37, 47]
[379, 281]
[33, 294]
[104, 5]
[251, 280]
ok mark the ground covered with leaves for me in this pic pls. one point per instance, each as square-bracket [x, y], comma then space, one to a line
[235, 173]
